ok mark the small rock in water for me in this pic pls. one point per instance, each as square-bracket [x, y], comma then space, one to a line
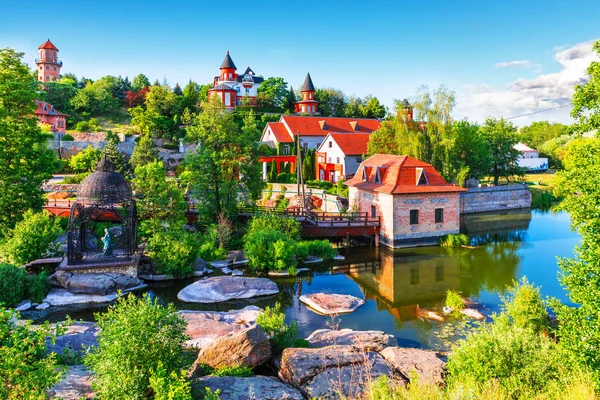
[328, 304]
[223, 288]
[42, 306]
[220, 263]
[339, 257]
[312, 260]
[209, 271]
[23, 306]
[302, 270]
[236, 272]
[448, 310]
[226, 270]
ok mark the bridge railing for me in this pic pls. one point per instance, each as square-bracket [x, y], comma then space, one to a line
[349, 219]
[59, 202]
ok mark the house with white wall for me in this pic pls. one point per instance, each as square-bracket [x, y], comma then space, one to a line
[340, 155]
[530, 159]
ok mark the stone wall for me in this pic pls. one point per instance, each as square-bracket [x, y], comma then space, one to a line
[495, 198]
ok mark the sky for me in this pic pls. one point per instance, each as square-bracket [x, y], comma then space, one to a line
[502, 58]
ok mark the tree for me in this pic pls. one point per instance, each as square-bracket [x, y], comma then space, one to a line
[96, 98]
[383, 140]
[273, 172]
[433, 107]
[539, 132]
[25, 160]
[469, 150]
[138, 98]
[308, 165]
[272, 92]
[136, 337]
[144, 152]
[112, 153]
[59, 95]
[372, 108]
[159, 116]
[85, 160]
[177, 90]
[30, 238]
[289, 102]
[332, 102]
[354, 107]
[501, 136]
[586, 100]
[224, 162]
[139, 82]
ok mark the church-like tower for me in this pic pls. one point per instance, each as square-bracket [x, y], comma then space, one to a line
[48, 64]
[308, 104]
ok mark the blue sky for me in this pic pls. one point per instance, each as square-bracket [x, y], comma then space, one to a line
[382, 48]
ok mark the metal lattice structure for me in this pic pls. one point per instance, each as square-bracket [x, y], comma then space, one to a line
[103, 196]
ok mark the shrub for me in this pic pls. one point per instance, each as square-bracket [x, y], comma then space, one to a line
[286, 177]
[524, 305]
[454, 300]
[281, 336]
[325, 185]
[138, 338]
[13, 285]
[241, 371]
[317, 248]
[30, 238]
[286, 225]
[454, 240]
[67, 138]
[82, 126]
[269, 250]
[171, 386]
[25, 372]
[85, 160]
[174, 251]
[75, 179]
[38, 287]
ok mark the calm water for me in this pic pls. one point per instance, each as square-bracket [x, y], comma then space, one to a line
[510, 245]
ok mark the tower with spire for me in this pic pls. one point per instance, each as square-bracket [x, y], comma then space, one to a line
[48, 64]
[232, 89]
[308, 104]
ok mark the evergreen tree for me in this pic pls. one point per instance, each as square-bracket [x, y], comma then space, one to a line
[177, 90]
[309, 165]
[25, 160]
[273, 172]
[289, 102]
[112, 153]
[144, 152]
[139, 82]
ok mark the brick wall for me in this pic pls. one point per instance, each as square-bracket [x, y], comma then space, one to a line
[495, 198]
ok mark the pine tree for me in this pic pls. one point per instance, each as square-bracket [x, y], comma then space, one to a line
[118, 159]
[273, 172]
[177, 90]
[308, 166]
[144, 152]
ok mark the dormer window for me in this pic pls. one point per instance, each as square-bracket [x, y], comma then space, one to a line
[365, 178]
[378, 174]
[421, 177]
[323, 125]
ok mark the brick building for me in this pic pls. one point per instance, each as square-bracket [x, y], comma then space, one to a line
[47, 115]
[415, 204]
[48, 65]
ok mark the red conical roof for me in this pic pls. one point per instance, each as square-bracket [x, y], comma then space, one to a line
[48, 45]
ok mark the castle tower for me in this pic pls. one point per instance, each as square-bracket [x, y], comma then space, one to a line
[407, 109]
[228, 69]
[48, 64]
[308, 104]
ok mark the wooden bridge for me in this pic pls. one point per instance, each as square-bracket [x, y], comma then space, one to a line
[314, 224]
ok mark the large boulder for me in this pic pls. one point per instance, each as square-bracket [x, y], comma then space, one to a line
[247, 348]
[237, 388]
[328, 304]
[424, 363]
[91, 283]
[76, 385]
[203, 327]
[76, 341]
[334, 372]
[223, 288]
[362, 340]
[61, 297]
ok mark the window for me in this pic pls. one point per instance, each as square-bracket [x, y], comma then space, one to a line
[439, 273]
[373, 211]
[227, 99]
[286, 149]
[337, 160]
[377, 175]
[238, 89]
[439, 215]
[414, 217]
[414, 276]
[359, 159]
[247, 90]
[329, 160]
[330, 144]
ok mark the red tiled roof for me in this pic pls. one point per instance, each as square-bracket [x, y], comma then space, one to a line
[47, 45]
[281, 133]
[311, 126]
[399, 175]
[351, 144]
[49, 109]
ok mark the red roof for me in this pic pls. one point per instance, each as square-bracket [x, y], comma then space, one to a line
[280, 132]
[321, 126]
[44, 108]
[48, 45]
[399, 175]
[351, 144]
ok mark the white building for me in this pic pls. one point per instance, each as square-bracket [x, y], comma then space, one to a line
[529, 158]
[340, 155]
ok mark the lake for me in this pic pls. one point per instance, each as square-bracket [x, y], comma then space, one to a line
[510, 245]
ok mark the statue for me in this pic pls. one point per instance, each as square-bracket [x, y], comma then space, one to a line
[107, 249]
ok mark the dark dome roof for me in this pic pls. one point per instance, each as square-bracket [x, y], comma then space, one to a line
[104, 186]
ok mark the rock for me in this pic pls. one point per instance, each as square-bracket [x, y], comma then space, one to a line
[209, 271]
[200, 265]
[312, 260]
[157, 278]
[255, 387]
[339, 257]
[61, 297]
[79, 337]
[236, 272]
[472, 313]
[249, 348]
[362, 340]
[223, 288]
[43, 306]
[220, 263]
[23, 306]
[328, 304]
[333, 372]
[76, 385]
[424, 363]
[203, 327]
[199, 274]
[286, 273]
[190, 228]
[226, 270]
[95, 283]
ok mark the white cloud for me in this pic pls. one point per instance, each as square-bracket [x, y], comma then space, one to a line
[524, 96]
[518, 64]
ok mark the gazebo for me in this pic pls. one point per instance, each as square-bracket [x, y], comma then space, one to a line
[102, 222]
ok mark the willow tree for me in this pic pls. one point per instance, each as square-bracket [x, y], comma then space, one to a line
[25, 161]
[586, 100]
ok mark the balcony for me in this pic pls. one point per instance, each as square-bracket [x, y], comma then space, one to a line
[47, 61]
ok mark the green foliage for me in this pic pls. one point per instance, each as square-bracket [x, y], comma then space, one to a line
[85, 160]
[97, 98]
[281, 336]
[174, 251]
[272, 178]
[13, 285]
[317, 248]
[269, 250]
[332, 102]
[454, 240]
[454, 300]
[372, 108]
[138, 339]
[240, 371]
[67, 138]
[25, 160]
[112, 153]
[539, 132]
[25, 372]
[75, 179]
[272, 92]
[286, 177]
[173, 386]
[525, 307]
[30, 238]
[501, 137]
[586, 100]
[139, 82]
[38, 286]
[288, 226]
